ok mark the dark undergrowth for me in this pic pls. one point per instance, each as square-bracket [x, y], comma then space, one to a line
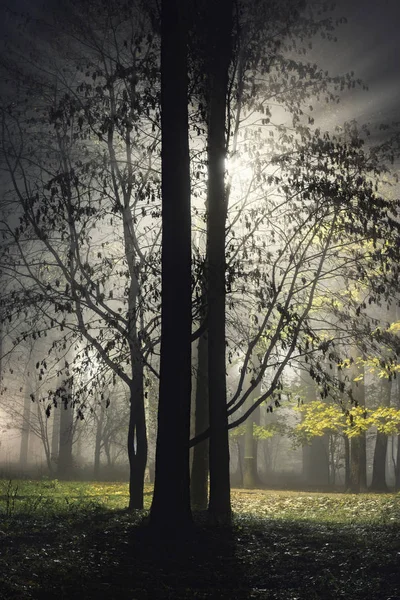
[282, 546]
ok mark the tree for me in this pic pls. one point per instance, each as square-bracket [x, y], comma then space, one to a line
[218, 61]
[171, 500]
[200, 462]
[98, 174]
[250, 474]
[254, 51]
[358, 458]
[65, 398]
[378, 482]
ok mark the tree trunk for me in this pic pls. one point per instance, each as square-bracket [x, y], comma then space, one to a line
[317, 462]
[97, 445]
[199, 475]
[250, 474]
[358, 450]
[355, 463]
[316, 453]
[347, 478]
[249, 470]
[55, 434]
[23, 454]
[219, 56]
[171, 501]
[64, 466]
[137, 435]
[397, 469]
[378, 483]
[240, 454]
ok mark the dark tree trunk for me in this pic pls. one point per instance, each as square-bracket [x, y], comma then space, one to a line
[363, 462]
[358, 449]
[346, 463]
[64, 466]
[55, 433]
[355, 464]
[397, 469]
[250, 474]
[237, 475]
[316, 453]
[171, 501]
[316, 458]
[137, 435]
[23, 454]
[378, 483]
[199, 475]
[219, 56]
[358, 464]
[97, 445]
[107, 452]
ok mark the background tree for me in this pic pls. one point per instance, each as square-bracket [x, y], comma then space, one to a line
[95, 285]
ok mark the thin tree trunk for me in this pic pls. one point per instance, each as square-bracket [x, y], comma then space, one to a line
[397, 470]
[250, 475]
[23, 454]
[137, 435]
[378, 483]
[171, 501]
[55, 434]
[97, 445]
[219, 60]
[347, 479]
[199, 475]
[44, 435]
[240, 453]
[64, 466]
[355, 464]
[358, 450]
[318, 462]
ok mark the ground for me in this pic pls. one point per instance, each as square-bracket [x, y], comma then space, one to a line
[76, 540]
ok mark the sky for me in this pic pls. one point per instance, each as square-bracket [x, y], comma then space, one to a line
[369, 45]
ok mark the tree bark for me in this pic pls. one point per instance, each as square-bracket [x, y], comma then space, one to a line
[199, 475]
[23, 454]
[397, 469]
[358, 450]
[250, 473]
[55, 434]
[378, 483]
[97, 445]
[317, 462]
[171, 501]
[346, 463]
[64, 466]
[219, 56]
[137, 435]
[355, 464]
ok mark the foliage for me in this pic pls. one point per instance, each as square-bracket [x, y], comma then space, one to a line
[260, 432]
[319, 418]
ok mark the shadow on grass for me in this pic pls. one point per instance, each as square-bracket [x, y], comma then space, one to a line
[311, 560]
[111, 555]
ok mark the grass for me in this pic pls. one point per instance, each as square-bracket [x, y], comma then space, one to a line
[75, 540]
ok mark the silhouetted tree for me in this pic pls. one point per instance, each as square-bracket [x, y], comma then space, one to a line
[171, 500]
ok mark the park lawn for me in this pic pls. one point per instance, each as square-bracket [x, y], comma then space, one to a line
[76, 540]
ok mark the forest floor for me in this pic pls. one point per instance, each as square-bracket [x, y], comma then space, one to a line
[75, 540]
